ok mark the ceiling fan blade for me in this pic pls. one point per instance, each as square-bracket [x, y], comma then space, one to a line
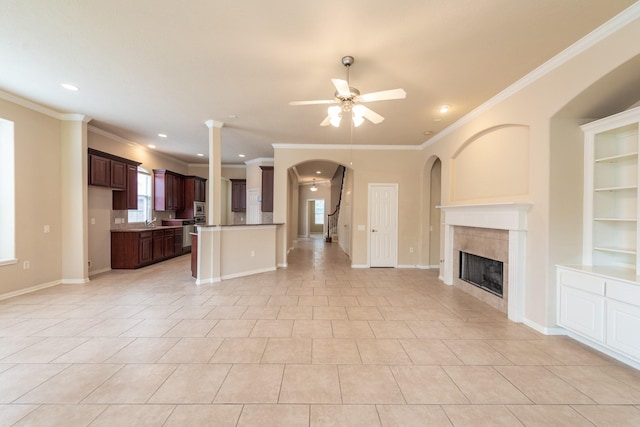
[383, 95]
[326, 121]
[342, 86]
[371, 115]
[317, 101]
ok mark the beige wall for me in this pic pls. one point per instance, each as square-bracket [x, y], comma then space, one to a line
[38, 196]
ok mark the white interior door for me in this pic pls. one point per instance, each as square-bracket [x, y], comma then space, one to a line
[383, 225]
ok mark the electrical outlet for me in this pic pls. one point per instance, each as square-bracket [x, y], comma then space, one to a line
[410, 250]
[93, 221]
[47, 228]
[26, 265]
[253, 253]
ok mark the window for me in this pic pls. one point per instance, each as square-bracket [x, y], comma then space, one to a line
[319, 217]
[143, 213]
[7, 194]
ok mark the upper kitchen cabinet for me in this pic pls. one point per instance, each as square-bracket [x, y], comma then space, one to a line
[194, 191]
[168, 190]
[200, 192]
[99, 170]
[128, 199]
[118, 173]
[238, 195]
[267, 188]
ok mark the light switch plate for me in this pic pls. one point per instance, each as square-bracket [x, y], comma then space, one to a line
[361, 227]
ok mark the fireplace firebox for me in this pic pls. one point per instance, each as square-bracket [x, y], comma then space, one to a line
[482, 272]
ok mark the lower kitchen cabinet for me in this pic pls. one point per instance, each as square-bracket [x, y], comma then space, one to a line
[134, 248]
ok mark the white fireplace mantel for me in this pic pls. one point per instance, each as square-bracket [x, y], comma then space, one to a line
[501, 216]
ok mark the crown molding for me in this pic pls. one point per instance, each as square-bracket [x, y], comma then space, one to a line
[259, 160]
[75, 118]
[348, 147]
[122, 140]
[214, 124]
[30, 105]
[612, 26]
[234, 166]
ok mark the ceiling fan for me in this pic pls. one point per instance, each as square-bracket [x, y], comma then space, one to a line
[348, 99]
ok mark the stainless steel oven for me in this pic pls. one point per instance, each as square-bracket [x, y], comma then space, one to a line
[199, 209]
[187, 228]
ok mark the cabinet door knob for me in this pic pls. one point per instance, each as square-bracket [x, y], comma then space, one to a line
[374, 231]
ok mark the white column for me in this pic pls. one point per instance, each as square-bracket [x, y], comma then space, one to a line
[75, 230]
[214, 193]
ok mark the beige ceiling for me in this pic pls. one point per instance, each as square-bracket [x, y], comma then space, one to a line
[150, 66]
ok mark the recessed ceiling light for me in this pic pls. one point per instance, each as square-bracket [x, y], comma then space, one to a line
[428, 132]
[445, 108]
[162, 135]
[69, 86]
[233, 116]
[318, 172]
[151, 146]
[241, 155]
[200, 155]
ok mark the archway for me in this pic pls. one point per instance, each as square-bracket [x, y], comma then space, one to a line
[431, 224]
[320, 181]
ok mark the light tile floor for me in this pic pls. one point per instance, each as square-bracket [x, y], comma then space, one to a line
[316, 344]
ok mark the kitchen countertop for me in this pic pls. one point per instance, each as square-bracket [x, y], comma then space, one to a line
[139, 229]
[239, 225]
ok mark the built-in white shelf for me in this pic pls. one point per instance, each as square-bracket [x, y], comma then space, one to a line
[628, 187]
[615, 250]
[617, 158]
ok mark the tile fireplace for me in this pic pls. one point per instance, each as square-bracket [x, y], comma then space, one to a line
[494, 231]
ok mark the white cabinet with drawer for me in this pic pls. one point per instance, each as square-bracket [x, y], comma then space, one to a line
[623, 328]
[582, 312]
[601, 309]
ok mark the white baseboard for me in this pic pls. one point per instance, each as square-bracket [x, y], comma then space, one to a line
[282, 265]
[359, 266]
[543, 329]
[75, 281]
[248, 273]
[406, 266]
[102, 270]
[30, 289]
[208, 281]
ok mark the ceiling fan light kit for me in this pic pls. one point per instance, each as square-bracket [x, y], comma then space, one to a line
[348, 99]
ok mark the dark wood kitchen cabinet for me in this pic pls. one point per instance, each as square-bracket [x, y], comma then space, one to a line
[134, 249]
[238, 195]
[168, 247]
[145, 247]
[267, 188]
[194, 191]
[168, 190]
[127, 199]
[178, 241]
[117, 173]
[200, 190]
[99, 170]
[158, 245]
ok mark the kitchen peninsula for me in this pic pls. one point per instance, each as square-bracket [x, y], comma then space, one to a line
[228, 251]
